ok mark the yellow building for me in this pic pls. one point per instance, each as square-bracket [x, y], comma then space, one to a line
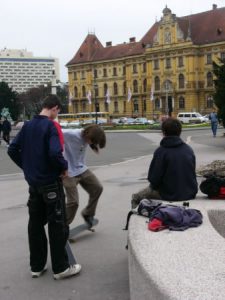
[168, 71]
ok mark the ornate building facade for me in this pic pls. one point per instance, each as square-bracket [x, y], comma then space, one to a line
[168, 71]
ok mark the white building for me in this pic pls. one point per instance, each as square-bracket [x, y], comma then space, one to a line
[22, 71]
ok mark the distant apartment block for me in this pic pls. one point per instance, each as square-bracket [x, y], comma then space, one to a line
[22, 71]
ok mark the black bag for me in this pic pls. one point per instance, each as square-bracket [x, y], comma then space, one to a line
[211, 185]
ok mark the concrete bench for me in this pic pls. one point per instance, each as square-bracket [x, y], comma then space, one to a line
[182, 265]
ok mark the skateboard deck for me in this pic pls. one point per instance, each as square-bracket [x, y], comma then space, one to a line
[71, 257]
[82, 227]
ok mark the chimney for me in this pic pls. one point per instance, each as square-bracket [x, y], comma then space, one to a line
[108, 44]
[132, 40]
[214, 6]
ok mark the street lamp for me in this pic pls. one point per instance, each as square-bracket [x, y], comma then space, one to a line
[96, 103]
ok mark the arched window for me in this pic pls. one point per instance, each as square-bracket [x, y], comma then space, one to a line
[145, 85]
[209, 79]
[135, 86]
[136, 106]
[83, 91]
[157, 83]
[115, 88]
[181, 81]
[116, 107]
[105, 88]
[124, 87]
[157, 103]
[181, 102]
[75, 92]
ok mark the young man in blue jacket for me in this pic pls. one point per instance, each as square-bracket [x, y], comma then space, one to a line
[171, 173]
[37, 150]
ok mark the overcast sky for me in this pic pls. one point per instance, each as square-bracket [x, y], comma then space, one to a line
[57, 28]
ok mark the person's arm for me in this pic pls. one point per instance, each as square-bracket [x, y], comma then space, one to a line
[14, 150]
[55, 150]
[156, 169]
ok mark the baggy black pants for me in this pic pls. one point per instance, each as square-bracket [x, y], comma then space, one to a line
[46, 204]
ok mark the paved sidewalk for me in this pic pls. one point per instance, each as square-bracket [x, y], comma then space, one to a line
[102, 254]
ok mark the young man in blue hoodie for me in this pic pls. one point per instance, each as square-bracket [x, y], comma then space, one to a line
[171, 174]
[37, 150]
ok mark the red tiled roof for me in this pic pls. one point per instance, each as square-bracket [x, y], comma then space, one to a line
[206, 27]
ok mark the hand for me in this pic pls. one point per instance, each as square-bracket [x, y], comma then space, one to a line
[64, 174]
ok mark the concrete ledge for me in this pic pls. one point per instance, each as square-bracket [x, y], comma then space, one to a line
[179, 265]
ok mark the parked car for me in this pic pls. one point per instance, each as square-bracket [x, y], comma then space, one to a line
[141, 121]
[190, 117]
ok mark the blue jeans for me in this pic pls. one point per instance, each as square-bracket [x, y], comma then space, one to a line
[214, 127]
[46, 205]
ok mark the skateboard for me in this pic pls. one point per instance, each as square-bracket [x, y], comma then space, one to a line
[82, 227]
[71, 257]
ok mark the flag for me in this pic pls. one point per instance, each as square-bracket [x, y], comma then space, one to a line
[152, 93]
[129, 95]
[89, 96]
[107, 96]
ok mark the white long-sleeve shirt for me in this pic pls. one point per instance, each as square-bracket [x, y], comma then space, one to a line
[74, 151]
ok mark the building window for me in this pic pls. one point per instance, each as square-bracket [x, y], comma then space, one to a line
[181, 103]
[116, 108]
[156, 64]
[124, 70]
[134, 68]
[95, 73]
[83, 75]
[105, 89]
[124, 106]
[135, 86]
[168, 63]
[181, 81]
[104, 72]
[157, 83]
[124, 87]
[135, 106]
[114, 71]
[75, 75]
[209, 58]
[75, 92]
[180, 61]
[83, 105]
[83, 91]
[144, 67]
[209, 79]
[209, 102]
[106, 106]
[222, 55]
[75, 107]
[115, 88]
[145, 85]
[144, 105]
[157, 103]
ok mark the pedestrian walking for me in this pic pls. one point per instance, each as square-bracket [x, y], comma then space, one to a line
[214, 122]
[6, 129]
[37, 150]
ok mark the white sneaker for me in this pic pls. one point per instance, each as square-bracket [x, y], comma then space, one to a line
[71, 271]
[38, 274]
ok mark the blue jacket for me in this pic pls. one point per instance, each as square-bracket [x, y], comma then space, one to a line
[172, 170]
[37, 151]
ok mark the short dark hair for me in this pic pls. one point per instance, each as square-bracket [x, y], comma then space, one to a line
[51, 101]
[171, 126]
[95, 134]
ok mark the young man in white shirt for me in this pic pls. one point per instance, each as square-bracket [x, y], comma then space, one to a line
[76, 142]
